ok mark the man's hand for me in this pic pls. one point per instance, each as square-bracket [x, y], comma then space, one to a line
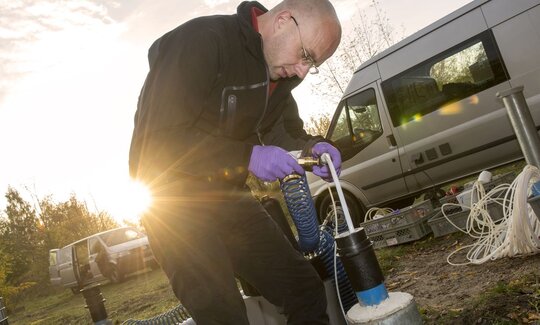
[270, 163]
[323, 171]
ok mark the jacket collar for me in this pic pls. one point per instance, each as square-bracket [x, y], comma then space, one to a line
[253, 39]
[251, 36]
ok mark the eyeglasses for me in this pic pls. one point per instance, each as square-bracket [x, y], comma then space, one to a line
[306, 57]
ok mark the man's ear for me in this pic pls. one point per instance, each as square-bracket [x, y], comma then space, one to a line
[282, 18]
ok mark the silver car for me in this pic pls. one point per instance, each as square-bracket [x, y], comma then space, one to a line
[111, 254]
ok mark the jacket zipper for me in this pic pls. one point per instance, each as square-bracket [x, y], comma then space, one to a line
[257, 128]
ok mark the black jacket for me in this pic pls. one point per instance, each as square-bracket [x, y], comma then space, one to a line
[205, 102]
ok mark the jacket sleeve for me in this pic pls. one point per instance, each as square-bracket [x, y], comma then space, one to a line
[288, 132]
[183, 70]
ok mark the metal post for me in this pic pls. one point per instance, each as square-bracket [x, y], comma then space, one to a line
[96, 305]
[523, 124]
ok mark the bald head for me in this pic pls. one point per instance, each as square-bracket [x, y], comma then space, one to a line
[312, 9]
[312, 24]
[318, 16]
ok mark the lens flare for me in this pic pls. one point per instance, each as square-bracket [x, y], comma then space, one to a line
[451, 109]
[140, 197]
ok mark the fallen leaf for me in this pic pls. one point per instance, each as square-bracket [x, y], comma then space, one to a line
[407, 285]
[393, 285]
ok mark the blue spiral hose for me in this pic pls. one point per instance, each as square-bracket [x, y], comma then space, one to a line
[342, 226]
[312, 240]
[298, 199]
[326, 252]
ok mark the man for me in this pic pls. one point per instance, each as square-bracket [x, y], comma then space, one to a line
[217, 104]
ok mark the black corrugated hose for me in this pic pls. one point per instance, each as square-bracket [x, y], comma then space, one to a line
[171, 317]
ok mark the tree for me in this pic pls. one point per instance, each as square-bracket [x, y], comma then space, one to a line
[318, 124]
[22, 238]
[369, 36]
[27, 234]
[71, 220]
[7, 291]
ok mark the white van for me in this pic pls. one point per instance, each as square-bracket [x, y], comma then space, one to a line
[425, 112]
[107, 255]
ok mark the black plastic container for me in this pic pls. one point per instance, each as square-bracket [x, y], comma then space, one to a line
[359, 260]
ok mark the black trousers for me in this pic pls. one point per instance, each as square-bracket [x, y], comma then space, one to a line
[203, 237]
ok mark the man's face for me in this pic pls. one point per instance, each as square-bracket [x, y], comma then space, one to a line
[289, 53]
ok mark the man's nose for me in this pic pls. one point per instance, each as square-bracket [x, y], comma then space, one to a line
[301, 69]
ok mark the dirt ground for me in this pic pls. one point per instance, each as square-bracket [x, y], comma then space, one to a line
[504, 291]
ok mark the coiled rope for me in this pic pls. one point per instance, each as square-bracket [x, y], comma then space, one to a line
[518, 233]
[376, 213]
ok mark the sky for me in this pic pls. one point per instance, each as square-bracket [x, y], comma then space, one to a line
[70, 75]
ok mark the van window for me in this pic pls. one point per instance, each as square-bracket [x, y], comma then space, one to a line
[358, 123]
[81, 251]
[120, 236]
[94, 245]
[457, 73]
[65, 254]
[53, 256]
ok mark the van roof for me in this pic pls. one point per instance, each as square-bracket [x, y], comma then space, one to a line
[424, 31]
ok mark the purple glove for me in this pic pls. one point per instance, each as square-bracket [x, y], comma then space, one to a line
[269, 163]
[323, 171]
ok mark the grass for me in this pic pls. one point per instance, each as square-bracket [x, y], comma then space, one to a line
[388, 257]
[148, 294]
[506, 303]
[143, 295]
[514, 302]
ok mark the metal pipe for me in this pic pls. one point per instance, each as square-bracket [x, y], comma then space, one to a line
[522, 123]
[96, 305]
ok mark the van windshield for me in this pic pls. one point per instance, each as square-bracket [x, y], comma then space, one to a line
[120, 236]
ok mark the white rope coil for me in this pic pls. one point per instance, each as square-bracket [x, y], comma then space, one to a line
[518, 233]
[375, 213]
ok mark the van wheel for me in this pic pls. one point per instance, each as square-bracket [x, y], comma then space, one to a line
[75, 290]
[115, 275]
[326, 210]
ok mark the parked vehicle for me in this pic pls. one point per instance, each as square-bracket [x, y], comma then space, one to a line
[111, 254]
[425, 112]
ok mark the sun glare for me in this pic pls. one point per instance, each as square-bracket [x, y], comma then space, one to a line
[138, 198]
[125, 200]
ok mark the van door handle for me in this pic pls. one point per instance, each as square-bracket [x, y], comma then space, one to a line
[392, 144]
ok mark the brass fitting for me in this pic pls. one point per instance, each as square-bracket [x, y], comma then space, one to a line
[308, 162]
